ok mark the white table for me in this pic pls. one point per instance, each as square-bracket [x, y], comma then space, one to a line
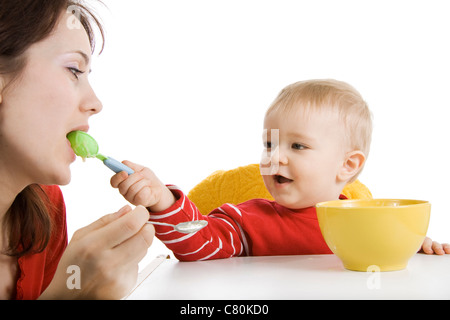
[291, 277]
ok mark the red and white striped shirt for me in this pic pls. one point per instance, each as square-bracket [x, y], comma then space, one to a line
[257, 227]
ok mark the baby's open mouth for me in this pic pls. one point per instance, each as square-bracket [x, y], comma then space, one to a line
[280, 179]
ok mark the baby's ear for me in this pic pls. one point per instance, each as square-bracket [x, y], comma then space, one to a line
[352, 164]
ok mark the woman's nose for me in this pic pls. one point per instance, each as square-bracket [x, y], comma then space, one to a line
[91, 103]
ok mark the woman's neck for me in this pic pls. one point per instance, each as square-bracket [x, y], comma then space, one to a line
[6, 201]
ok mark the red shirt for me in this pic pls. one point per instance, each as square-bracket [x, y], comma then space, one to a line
[257, 227]
[37, 270]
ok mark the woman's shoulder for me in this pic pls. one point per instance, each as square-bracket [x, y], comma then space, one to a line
[38, 269]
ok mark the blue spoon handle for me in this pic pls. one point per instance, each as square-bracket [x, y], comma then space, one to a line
[117, 166]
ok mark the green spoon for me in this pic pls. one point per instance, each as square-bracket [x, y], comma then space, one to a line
[86, 147]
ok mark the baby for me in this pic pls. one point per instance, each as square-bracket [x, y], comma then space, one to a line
[317, 138]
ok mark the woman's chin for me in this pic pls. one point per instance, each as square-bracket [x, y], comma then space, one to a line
[65, 180]
[62, 178]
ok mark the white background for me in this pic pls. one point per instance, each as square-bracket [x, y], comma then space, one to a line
[185, 85]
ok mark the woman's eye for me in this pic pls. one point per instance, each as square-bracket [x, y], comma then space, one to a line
[267, 144]
[298, 146]
[76, 72]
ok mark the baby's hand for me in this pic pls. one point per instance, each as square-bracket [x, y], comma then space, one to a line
[429, 247]
[143, 188]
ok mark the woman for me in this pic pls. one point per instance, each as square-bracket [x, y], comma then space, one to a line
[45, 54]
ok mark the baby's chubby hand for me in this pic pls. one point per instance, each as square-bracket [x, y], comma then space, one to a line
[143, 188]
[433, 247]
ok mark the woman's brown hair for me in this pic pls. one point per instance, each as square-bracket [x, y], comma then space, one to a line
[23, 23]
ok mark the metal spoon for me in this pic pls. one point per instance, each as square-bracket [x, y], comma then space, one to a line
[184, 227]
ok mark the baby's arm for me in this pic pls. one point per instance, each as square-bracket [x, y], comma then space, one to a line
[221, 238]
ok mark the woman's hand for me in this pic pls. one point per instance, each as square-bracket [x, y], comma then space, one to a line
[107, 253]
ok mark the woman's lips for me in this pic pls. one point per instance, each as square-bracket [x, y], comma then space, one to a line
[83, 127]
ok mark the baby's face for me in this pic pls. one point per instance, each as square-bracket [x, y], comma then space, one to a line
[304, 162]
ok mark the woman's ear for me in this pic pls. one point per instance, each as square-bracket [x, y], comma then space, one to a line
[352, 164]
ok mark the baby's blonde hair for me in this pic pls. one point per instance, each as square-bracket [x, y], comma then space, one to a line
[330, 95]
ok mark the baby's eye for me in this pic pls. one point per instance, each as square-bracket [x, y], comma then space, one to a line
[267, 144]
[298, 146]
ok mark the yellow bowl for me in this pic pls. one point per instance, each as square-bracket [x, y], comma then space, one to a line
[384, 233]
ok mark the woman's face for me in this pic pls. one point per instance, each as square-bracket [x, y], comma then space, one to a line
[50, 98]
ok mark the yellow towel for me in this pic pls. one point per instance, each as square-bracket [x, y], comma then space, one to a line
[245, 183]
